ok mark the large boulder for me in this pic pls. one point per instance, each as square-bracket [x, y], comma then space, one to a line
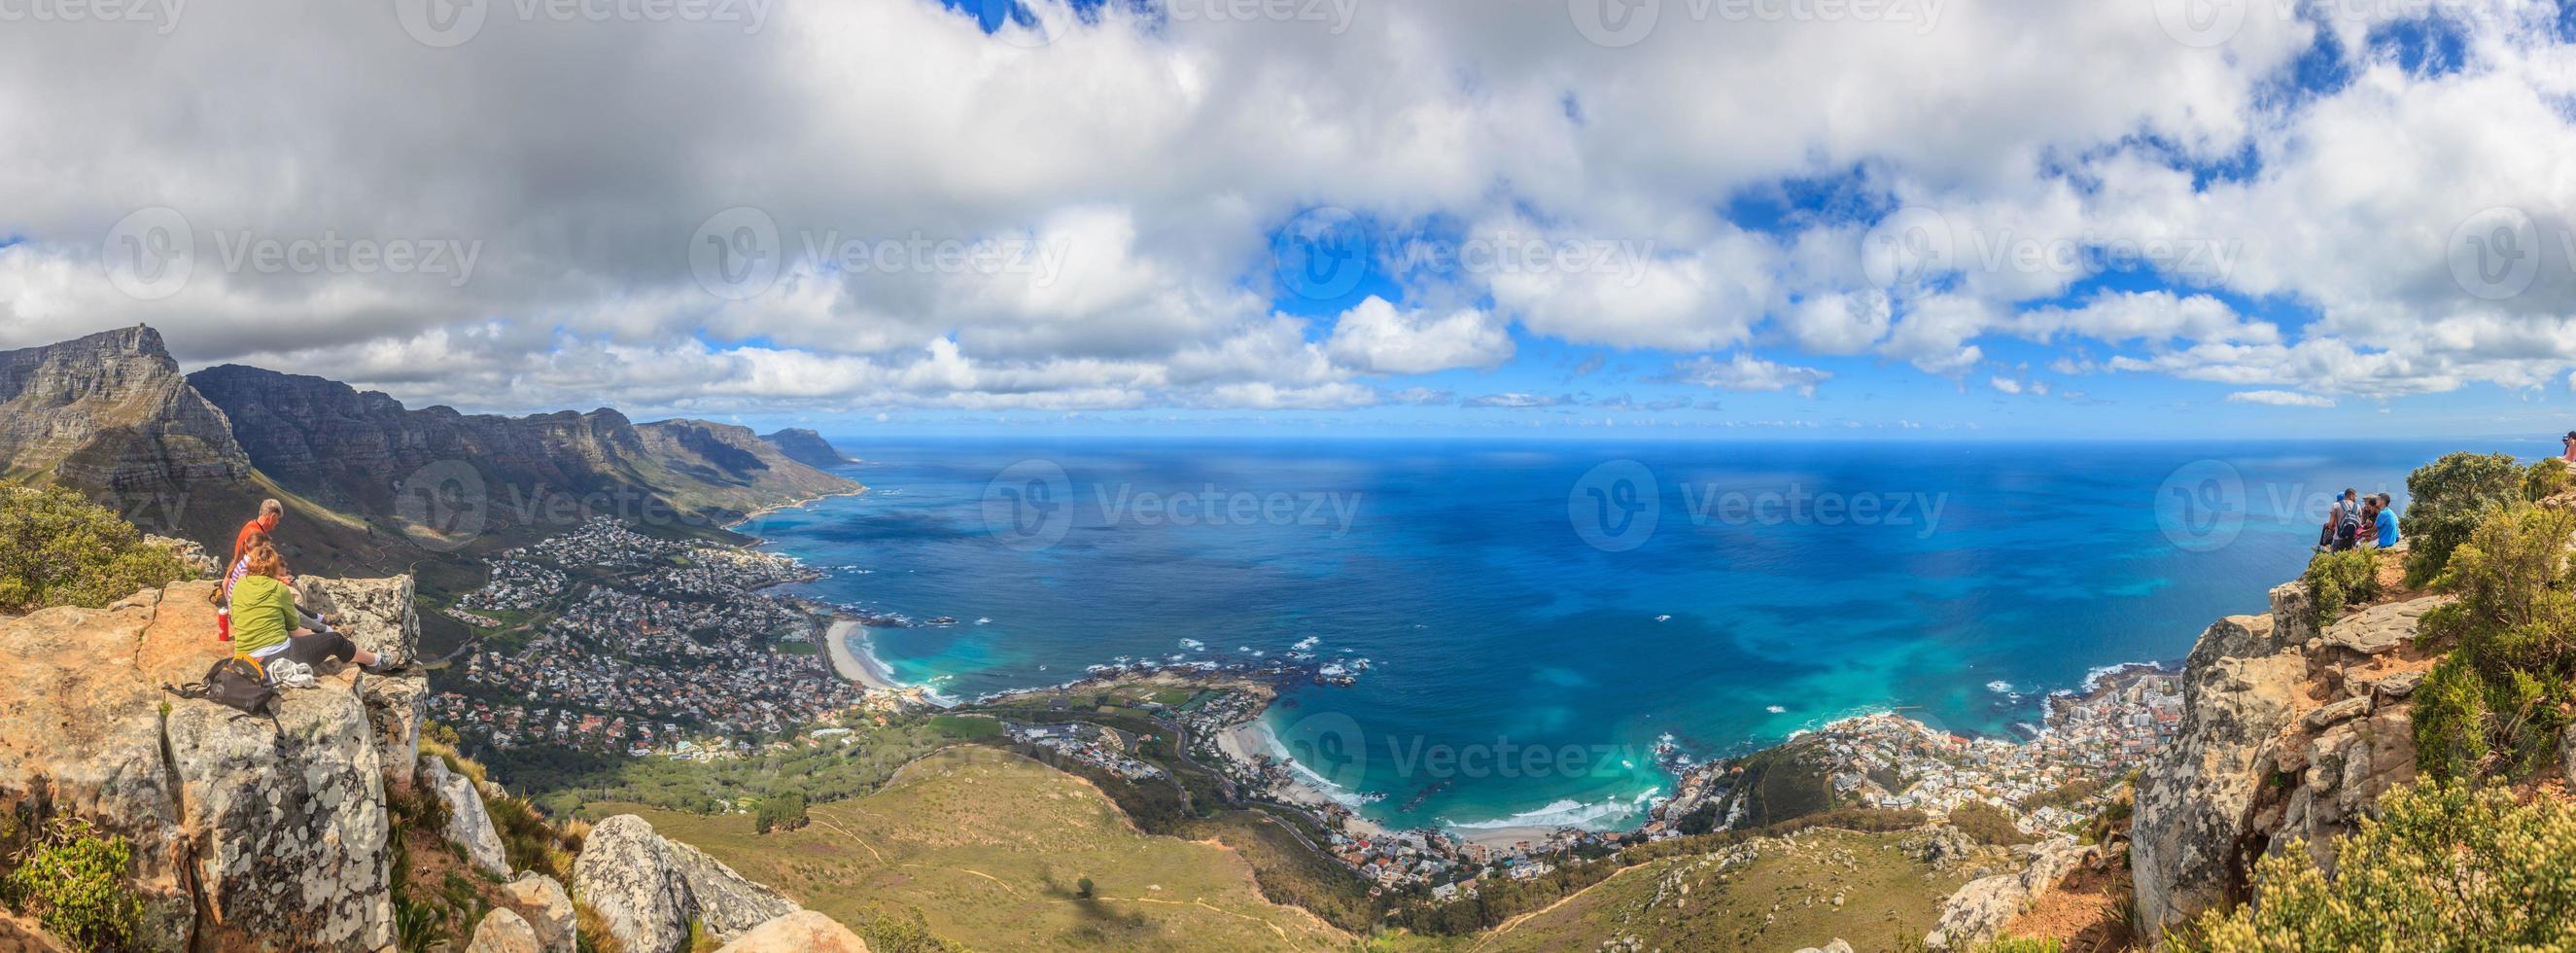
[647, 888]
[546, 906]
[376, 613]
[1978, 911]
[806, 931]
[396, 706]
[2380, 628]
[2240, 689]
[504, 931]
[468, 826]
[244, 828]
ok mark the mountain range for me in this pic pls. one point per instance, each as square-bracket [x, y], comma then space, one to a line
[110, 415]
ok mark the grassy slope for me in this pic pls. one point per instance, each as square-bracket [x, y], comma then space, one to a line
[1885, 895]
[990, 847]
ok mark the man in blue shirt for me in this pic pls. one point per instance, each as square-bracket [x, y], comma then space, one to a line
[2387, 522]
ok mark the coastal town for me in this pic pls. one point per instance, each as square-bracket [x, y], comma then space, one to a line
[647, 646]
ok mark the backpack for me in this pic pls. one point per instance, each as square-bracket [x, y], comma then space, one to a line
[235, 683]
[2346, 528]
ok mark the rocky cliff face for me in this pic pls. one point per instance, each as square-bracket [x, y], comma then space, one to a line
[2289, 733]
[648, 888]
[359, 451]
[245, 829]
[111, 413]
[806, 447]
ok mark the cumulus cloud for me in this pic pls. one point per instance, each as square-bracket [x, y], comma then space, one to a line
[1377, 337]
[1747, 373]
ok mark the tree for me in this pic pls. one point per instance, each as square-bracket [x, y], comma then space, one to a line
[1082, 888]
[57, 549]
[2505, 687]
[2443, 867]
[780, 812]
[2447, 499]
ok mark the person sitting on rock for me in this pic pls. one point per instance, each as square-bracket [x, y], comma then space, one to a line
[2368, 534]
[2387, 527]
[267, 626]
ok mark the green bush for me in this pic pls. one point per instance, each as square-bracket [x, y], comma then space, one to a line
[1988, 823]
[906, 934]
[2545, 479]
[57, 549]
[784, 812]
[2443, 867]
[73, 880]
[2015, 944]
[2341, 579]
[2449, 497]
[2512, 637]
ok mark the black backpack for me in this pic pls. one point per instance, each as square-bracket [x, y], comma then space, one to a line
[236, 683]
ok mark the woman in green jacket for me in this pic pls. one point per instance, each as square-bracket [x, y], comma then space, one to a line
[267, 627]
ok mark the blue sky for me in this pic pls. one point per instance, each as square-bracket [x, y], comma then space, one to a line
[1940, 219]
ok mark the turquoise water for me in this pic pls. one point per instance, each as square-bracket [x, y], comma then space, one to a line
[1536, 615]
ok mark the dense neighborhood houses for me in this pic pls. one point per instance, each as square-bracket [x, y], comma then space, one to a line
[645, 646]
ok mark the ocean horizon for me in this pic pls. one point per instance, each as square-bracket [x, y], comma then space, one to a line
[1524, 623]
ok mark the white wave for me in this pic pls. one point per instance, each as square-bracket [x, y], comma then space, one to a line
[2093, 677]
[1568, 812]
[1193, 644]
[1775, 709]
[1306, 644]
[1999, 687]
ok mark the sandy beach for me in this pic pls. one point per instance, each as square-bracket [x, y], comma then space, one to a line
[1504, 838]
[1243, 741]
[856, 664]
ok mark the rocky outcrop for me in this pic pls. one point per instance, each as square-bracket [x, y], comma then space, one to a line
[503, 931]
[1978, 911]
[647, 888]
[468, 826]
[357, 451]
[547, 908]
[244, 827]
[806, 931]
[807, 447]
[2289, 734]
[110, 413]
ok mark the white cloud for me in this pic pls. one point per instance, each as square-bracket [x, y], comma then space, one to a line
[1746, 373]
[2004, 384]
[2279, 398]
[1376, 337]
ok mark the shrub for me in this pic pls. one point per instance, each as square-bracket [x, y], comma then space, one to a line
[2506, 684]
[907, 934]
[1988, 823]
[2449, 497]
[2545, 479]
[73, 880]
[784, 812]
[2443, 867]
[2341, 579]
[57, 549]
[2015, 944]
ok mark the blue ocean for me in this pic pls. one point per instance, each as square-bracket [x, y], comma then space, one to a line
[1525, 621]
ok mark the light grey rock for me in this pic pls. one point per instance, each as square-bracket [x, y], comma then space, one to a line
[648, 888]
[468, 825]
[2239, 690]
[547, 907]
[2294, 611]
[1837, 946]
[1978, 911]
[504, 931]
[2381, 628]
[806, 931]
[2336, 713]
[2399, 687]
[396, 705]
[378, 613]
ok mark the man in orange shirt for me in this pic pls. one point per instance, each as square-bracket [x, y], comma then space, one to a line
[262, 529]
[270, 511]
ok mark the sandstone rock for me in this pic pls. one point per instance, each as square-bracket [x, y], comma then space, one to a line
[189, 552]
[503, 931]
[467, 824]
[648, 888]
[1978, 911]
[806, 931]
[396, 705]
[378, 613]
[547, 908]
[2380, 628]
[2344, 710]
[109, 413]
[2294, 610]
[2239, 690]
[2398, 687]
